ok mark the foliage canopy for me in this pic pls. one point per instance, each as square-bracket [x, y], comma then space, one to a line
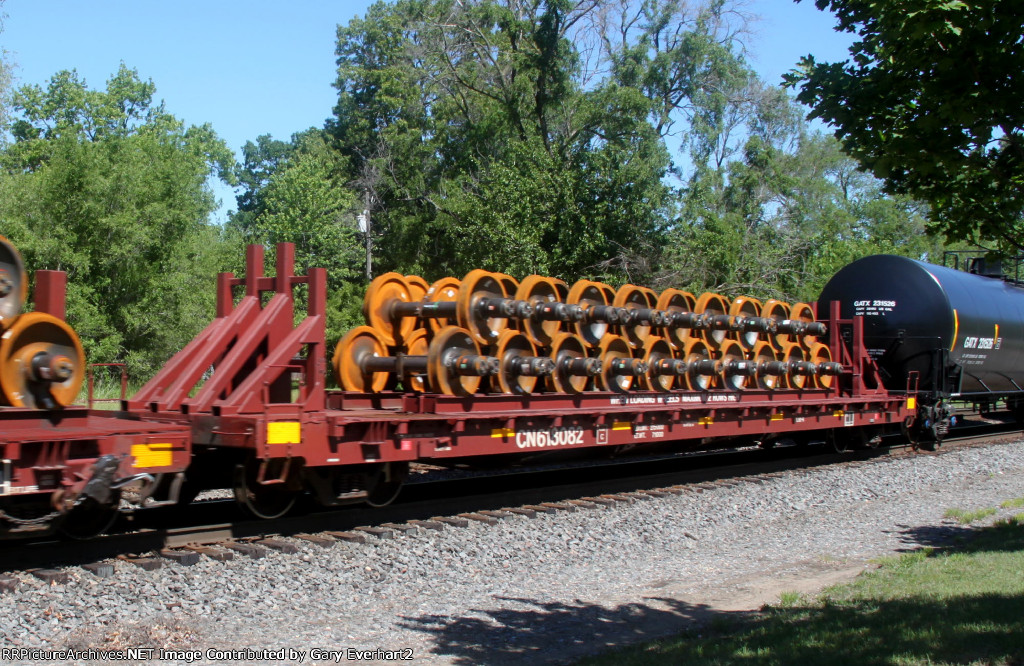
[930, 102]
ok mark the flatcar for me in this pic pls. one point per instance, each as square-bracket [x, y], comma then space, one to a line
[63, 467]
[487, 367]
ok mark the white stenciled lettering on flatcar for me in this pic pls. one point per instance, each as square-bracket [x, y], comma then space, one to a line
[540, 439]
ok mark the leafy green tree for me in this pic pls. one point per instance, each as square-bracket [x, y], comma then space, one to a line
[785, 212]
[112, 189]
[297, 193]
[486, 140]
[930, 103]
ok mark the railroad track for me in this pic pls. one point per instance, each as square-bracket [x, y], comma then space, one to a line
[152, 538]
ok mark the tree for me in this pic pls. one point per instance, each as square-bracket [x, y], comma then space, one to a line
[112, 189]
[930, 104]
[296, 192]
[538, 127]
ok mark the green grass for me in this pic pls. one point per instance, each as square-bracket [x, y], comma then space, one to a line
[963, 606]
[105, 388]
[1015, 503]
[968, 517]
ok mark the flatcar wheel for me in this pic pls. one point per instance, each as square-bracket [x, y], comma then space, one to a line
[261, 501]
[838, 440]
[90, 518]
[383, 486]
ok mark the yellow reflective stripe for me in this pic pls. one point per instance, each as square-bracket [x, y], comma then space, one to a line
[956, 328]
[502, 432]
[153, 455]
[622, 425]
[284, 432]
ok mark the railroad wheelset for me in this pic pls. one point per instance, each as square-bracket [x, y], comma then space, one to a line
[42, 362]
[541, 334]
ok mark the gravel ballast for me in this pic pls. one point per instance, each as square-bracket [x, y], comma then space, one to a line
[545, 589]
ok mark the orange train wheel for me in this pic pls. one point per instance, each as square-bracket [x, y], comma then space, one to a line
[697, 352]
[763, 352]
[614, 348]
[513, 345]
[676, 301]
[632, 297]
[777, 311]
[713, 305]
[451, 343]
[42, 363]
[744, 306]
[805, 313]
[538, 290]
[509, 284]
[820, 353]
[657, 350]
[416, 345]
[731, 352]
[566, 348]
[443, 290]
[589, 294]
[350, 360]
[793, 353]
[477, 286]
[380, 297]
[418, 288]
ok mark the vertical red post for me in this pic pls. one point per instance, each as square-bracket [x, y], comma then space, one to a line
[285, 268]
[253, 269]
[51, 293]
[225, 300]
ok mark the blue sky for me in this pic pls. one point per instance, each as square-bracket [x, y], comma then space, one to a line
[266, 66]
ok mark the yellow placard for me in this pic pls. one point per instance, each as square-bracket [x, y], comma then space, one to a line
[502, 432]
[284, 432]
[911, 403]
[152, 455]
